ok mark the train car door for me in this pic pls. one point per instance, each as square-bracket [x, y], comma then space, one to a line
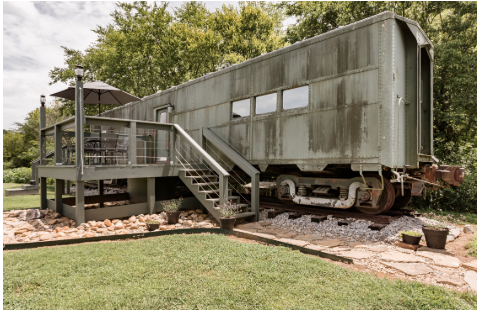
[161, 139]
[425, 102]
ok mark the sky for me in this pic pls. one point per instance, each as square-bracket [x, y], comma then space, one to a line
[33, 33]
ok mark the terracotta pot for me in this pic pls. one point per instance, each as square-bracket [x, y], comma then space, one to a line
[152, 227]
[227, 223]
[435, 239]
[412, 240]
[173, 217]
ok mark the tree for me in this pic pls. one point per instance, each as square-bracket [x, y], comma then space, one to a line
[146, 48]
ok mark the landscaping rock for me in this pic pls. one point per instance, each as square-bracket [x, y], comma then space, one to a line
[107, 223]
[440, 251]
[470, 265]
[118, 225]
[316, 247]
[395, 256]
[471, 278]
[115, 221]
[328, 242]
[31, 214]
[441, 260]
[468, 229]
[52, 222]
[378, 248]
[309, 237]
[56, 215]
[250, 226]
[88, 235]
[451, 280]
[293, 241]
[46, 237]
[412, 269]
[355, 244]
[357, 254]
[162, 227]
[407, 246]
[267, 236]
[286, 235]
[102, 230]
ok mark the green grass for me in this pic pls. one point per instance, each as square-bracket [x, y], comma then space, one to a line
[26, 201]
[202, 272]
[470, 218]
[472, 246]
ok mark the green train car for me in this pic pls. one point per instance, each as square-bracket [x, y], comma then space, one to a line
[323, 116]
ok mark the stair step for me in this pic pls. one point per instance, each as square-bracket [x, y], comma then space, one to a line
[210, 191]
[200, 176]
[206, 184]
[245, 214]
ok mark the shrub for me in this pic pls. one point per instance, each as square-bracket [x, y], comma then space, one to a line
[172, 205]
[440, 226]
[410, 233]
[229, 209]
[17, 175]
[152, 222]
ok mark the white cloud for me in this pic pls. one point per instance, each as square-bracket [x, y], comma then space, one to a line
[33, 33]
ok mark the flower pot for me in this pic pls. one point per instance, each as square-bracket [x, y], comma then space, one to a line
[227, 222]
[412, 240]
[152, 227]
[435, 239]
[173, 217]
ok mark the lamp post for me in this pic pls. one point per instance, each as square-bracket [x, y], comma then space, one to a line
[79, 118]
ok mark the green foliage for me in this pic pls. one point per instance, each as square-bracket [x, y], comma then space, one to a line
[172, 205]
[229, 209]
[147, 48]
[410, 233]
[25, 201]
[440, 226]
[452, 28]
[18, 175]
[203, 271]
[472, 247]
[152, 222]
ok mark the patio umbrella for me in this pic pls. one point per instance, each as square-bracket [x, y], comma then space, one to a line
[97, 93]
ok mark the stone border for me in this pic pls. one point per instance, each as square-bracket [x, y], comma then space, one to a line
[31, 245]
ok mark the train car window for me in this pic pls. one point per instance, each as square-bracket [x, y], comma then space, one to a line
[266, 103]
[241, 108]
[295, 98]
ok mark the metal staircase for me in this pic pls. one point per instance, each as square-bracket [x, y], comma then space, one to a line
[204, 185]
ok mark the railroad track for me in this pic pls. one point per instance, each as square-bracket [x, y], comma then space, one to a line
[318, 212]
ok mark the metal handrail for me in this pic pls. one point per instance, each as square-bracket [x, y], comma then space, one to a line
[241, 162]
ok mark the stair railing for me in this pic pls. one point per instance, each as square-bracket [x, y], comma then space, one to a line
[223, 175]
[242, 163]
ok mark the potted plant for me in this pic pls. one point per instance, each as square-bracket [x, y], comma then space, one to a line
[152, 225]
[228, 211]
[436, 235]
[411, 237]
[172, 210]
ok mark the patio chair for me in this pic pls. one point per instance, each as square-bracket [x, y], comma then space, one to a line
[108, 144]
[123, 147]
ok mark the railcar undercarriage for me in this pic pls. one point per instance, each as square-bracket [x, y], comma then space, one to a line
[371, 193]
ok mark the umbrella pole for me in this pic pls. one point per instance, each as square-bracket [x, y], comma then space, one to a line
[99, 114]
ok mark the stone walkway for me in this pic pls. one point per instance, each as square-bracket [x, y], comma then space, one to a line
[429, 266]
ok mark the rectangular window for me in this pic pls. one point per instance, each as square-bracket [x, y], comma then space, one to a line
[295, 98]
[266, 103]
[241, 108]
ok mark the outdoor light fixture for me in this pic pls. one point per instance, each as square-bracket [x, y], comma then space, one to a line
[42, 100]
[79, 72]
[171, 107]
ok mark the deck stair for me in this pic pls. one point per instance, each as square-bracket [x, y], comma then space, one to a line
[205, 186]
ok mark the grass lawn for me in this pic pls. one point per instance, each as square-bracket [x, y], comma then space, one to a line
[470, 218]
[472, 246]
[24, 202]
[202, 272]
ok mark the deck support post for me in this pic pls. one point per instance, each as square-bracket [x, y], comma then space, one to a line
[79, 202]
[59, 188]
[255, 195]
[151, 194]
[101, 192]
[43, 203]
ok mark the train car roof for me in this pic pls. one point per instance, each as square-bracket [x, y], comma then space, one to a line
[414, 26]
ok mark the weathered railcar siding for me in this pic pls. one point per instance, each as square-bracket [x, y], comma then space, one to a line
[352, 115]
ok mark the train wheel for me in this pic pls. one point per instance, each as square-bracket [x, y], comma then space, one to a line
[386, 200]
[402, 201]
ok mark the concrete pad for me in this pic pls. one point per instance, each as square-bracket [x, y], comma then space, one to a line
[316, 247]
[267, 236]
[395, 256]
[471, 278]
[21, 192]
[295, 242]
[269, 231]
[357, 254]
[440, 251]
[440, 269]
[250, 226]
[328, 242]
[378, 248]
[471, 265]
[451, 280]
[265, 223]
[340, 248]
[411, 269]
[441, 260]
[309, 237]
[30, 187]
[247, 230]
